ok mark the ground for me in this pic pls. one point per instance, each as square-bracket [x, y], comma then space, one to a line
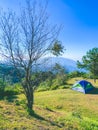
[62, 109]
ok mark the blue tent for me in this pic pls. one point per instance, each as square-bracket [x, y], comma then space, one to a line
[83, 86]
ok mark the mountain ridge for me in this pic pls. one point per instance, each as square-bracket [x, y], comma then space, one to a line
[49, 62]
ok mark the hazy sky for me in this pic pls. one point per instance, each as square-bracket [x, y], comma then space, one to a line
[79, 19]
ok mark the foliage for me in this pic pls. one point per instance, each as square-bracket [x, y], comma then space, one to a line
[58, 81]
[78, 74]
[17, 88]
[90, 62]
[57, 48]
[2, 86]
[58, 69]
[60, 76]
[50, 79]
[9, 74]
[42, 79]
[10, 92]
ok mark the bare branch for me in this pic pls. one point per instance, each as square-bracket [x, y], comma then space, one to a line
[26, 38]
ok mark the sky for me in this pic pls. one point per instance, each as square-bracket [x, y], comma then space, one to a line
[79, 19]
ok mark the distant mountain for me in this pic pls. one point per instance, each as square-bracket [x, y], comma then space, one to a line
[48, 63]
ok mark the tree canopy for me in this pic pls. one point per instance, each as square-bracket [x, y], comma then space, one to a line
[90, 62]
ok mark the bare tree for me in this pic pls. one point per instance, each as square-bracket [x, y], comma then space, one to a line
[25, 39]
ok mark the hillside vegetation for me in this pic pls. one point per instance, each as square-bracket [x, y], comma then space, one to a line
[62, 109]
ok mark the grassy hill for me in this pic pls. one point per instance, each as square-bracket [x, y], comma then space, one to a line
[61, 109]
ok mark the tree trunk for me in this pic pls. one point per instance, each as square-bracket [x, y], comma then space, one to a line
[94, 80]
[29, 93]
[30, 100]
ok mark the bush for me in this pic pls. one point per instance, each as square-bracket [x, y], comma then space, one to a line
[14, 89]
[60, 80]
[44, 86]
[77, 74]
[2, 86]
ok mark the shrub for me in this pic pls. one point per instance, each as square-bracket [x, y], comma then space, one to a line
[2, 86]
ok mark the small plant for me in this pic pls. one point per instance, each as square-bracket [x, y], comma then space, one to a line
[76, 114]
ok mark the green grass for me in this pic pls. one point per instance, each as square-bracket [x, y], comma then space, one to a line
[61, 109]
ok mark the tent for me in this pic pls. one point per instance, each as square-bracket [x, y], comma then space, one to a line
[83, 86]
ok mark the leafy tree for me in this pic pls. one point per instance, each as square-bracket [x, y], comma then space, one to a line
[58, 69]
[90, 62]
[25, 39]
[60, 76]
[57, 48]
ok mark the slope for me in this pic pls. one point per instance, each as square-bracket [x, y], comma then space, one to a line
[54, 110]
